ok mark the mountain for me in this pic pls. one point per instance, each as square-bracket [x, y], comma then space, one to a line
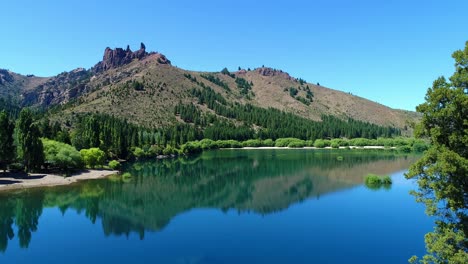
[145, 88]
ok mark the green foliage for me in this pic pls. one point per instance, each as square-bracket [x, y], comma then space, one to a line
[216, 80]
[420, 146]
[243, 85]
[138, 153]
[376, 182]
[268, 142]
[7, 148]
[373, 180]
[284, 142]
[296, 144]
[93, 157]
[191, 147]
[321, 143]
[208, 144]
[387, 180]
[30, 146]
[115, 165]
[442, 172]
[61, 156]
[228, 144]
[404, 149]
[293, 92]
[252, 143]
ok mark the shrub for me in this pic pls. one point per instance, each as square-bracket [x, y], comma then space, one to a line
[138, 152]
[208, 144]
[284, 142]
[386, 180]
[268, 143]
[191, 147]
[404, 149]
[320, 143]
[114, 164]
[373, 180]
[335, 145]
[360, 142]
[252, 143]
[297, 144]
[93, 157]
[228, 144]
[62, 156]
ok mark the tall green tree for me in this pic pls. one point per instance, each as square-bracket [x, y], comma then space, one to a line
[7, 148]
[29, 143]
[442, 173]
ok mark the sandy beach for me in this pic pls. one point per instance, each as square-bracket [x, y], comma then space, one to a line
[16, 181]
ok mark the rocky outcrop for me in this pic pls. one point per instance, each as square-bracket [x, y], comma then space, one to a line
[59, 89]
[265, 71]
[114, 58]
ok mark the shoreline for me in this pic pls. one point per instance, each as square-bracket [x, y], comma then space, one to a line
[11, 181]
[350, 147]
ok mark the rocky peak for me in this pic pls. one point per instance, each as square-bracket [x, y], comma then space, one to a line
[117, 57]
[266, 71]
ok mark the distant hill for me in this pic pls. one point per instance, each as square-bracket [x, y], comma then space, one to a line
[144, 88]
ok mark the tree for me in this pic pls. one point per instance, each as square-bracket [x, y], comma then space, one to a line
[7, 148]
[61, 155]
[442, 173]
[93, 157]
[29, 145]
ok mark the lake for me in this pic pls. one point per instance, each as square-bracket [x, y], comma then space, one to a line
[224, 206]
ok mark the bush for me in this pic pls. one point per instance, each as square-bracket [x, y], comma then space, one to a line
[335, 145]
[228, 144]
[208, 144]
[297, 144]
[93, 157]
[62, 156]
[169, 150]
[191, 147]
[252, 143]
[138, 153]
[373, 180]
[386, 180]
[284, 142]
[321, 143]
[268, 143]
[404, 149]
[360, 142]
[114, 164]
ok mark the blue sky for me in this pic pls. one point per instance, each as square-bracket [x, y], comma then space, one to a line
[386, 51]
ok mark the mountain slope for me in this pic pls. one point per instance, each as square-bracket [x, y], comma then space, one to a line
[144, 88]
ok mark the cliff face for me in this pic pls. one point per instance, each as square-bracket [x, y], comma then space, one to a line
[114, 58]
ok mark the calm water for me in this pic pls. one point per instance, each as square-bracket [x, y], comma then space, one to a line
[227, 206]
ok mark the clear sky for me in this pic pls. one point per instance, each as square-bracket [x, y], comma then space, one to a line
[386, 51]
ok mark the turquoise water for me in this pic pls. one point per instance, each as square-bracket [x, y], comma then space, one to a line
[227, 206]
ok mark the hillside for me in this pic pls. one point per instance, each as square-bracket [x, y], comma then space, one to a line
[144, 88]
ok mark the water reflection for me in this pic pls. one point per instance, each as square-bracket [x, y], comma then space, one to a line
[263, 182]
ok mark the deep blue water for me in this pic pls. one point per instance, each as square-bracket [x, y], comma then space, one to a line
[268, 206]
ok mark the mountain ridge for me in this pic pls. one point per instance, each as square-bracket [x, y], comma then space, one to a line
[144, 88]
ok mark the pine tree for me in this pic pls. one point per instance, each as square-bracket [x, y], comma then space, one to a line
[7, 149]
[29, 143]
